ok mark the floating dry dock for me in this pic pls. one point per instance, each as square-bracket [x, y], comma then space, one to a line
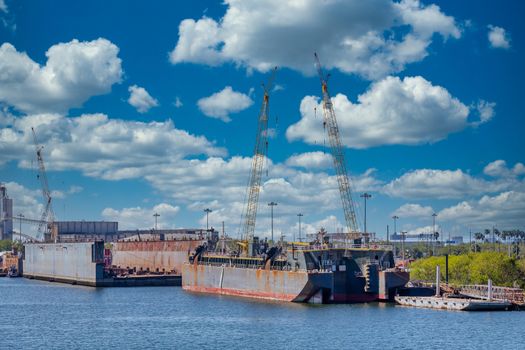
[459, 304]
[82, 263]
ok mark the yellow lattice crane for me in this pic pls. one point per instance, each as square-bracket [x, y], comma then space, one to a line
[259, 156]
[345, 188]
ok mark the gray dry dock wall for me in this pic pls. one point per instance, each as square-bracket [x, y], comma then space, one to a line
[79, 263]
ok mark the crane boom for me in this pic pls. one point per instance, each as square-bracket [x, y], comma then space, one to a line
[48, 215]
[338, 156]
[260, 152]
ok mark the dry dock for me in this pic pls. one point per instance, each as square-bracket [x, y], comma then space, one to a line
[82, 263]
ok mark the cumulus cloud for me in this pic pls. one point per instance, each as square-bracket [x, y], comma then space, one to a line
[100, 147]
[505, 210]
[308, 160]
[3, 6]
[221, 104]
[26, 201]
[74, 72]
[410, 210]
[178, 102]
[498, 37]
[485, 111]
[141, 99]
[498, 168]
[142, 218]
[393, 111]
[369, 38]
[441, 184]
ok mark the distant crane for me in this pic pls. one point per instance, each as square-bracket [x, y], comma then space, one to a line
[338, 156]
[48, 216]
[260, 152]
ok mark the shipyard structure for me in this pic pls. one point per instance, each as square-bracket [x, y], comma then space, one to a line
[6, 214]
[328, 272]
[145, 257]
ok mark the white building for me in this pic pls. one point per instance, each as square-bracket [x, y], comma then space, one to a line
[6, 214]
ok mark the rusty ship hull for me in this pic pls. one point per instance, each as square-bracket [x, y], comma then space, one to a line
[296, 286]
[312, 276]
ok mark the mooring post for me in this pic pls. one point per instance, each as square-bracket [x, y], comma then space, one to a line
[438, 291]
[490, 290]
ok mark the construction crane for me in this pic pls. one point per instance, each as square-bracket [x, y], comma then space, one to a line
[330, 123]
[260, 152]
[48, 215]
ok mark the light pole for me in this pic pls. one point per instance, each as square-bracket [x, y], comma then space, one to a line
[434, 233]
[207, 211]
[156, 215]
[272, 204]
[403, 233]
[300, 215]
[366, 196]
[20, 216]
[395, 217]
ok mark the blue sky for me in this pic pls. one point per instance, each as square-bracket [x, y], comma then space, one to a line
[148, 107]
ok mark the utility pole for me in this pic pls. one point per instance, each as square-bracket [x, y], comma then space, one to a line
[207, 211]
[433, 233]
[156, 215]
[300, 215]
[366, 196]
[272, 204]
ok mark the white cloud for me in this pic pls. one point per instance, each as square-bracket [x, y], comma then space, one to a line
[74, 72]
[141, 99]
[485, 110]
[430, 183]
[142, 218]
[100, 147]
[370, 38]
[442, 184]
[505, 210]
[178, 102]
[27, 202]
[220, 104]
[308, 160]
[498, 37]
[393, 111]
[3, 6]
[410, 210]
[498, 168]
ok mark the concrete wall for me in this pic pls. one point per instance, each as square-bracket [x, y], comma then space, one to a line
[65, 262]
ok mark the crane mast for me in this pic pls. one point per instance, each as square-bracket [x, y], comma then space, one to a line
[338, 156]
[259, 155]
[48, 215]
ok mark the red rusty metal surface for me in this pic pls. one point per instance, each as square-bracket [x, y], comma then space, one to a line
[246, 282]
[153, 255]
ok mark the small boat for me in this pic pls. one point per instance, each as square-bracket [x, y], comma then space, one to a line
[12, 271]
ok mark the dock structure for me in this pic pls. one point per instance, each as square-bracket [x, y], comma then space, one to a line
[481, 298]
[83, 263]
[458, 304]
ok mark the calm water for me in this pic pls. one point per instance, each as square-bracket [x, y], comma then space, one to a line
[36, 314]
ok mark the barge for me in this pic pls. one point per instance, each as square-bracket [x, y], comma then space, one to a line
[298, 273]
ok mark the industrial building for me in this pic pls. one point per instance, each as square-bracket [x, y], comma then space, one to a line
[6, 214]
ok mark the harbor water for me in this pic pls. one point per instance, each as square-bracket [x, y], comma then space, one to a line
[44, 315]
